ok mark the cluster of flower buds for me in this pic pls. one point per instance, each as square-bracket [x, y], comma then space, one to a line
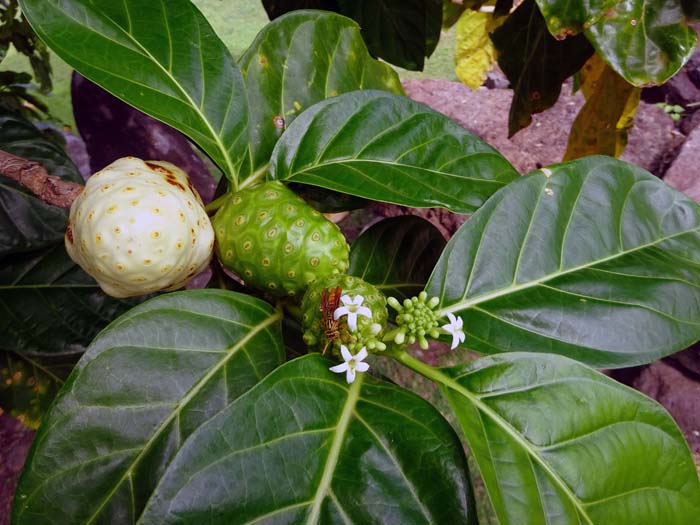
[417, 319]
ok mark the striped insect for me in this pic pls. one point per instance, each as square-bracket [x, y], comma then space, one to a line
[330, 299]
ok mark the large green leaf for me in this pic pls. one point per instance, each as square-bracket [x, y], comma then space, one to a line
[304, 447]
[146, 383]
[595, 259]
[162, 57]
[397, 255]
[388, 148]
[26, 222]
[49, 305]
[644, 41]
[284, 77]
[559, 444]
[535, 62]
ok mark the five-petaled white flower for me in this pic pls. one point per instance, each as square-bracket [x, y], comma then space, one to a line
[352, 307]
[455, 328]
[352, 363]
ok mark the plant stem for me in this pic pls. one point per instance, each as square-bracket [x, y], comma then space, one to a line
[33, 176]
[216, 204]
[427, 371]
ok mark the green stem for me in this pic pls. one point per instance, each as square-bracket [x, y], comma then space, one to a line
[254, 178]
[428, 371]
[216, 204]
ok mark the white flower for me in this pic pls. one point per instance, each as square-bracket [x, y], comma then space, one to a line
[455, 328]
[352, 363]
[352, 307]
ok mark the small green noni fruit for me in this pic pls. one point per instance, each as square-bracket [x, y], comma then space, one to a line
[343, 310]
[276, 242]
[139, 227]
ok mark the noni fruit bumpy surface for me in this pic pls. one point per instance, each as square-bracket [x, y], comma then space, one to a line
[276, 242]
[356, 296]
[139, 227]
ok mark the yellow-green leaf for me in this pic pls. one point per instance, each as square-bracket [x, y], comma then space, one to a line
[475, 54]
[602, 125]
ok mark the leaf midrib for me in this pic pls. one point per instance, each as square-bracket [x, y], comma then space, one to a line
[196, 388]
[465, 304]
[334, 453]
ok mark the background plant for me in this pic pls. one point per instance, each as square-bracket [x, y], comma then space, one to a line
[183, 409]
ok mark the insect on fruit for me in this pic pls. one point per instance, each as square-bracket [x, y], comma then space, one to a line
[330, 299]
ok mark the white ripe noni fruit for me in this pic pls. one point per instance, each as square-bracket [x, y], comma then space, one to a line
[139, 227]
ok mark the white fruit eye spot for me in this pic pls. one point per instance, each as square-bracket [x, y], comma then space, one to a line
[117, 230]
[105, 187]
[155, 234]
[129, 189]
[189, 204]
[135, 202]
[138, 280]
[182, 218]
[179, 245]
[266, 261]
[165, 268]
[112, 208]
[163, 194]
[98, 239]
[120, 267]
[314, 261]
[91, 215]
[147, 261]
[132, 220]
[156, 211]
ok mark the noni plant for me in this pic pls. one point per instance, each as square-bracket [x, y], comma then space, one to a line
[259, 406]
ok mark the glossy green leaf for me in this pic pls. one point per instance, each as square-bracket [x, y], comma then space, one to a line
[595, 259]
[535, 62]
[569, 17]
[558, 443]
[397, 255]
[146, 383]
[26, 222]
[48, 305]
[161, 57]
[304, 447]
[29, 384]
[388, 148]
[644, 41]
[284, 77]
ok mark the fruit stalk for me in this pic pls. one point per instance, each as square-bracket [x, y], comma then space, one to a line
[33, 176]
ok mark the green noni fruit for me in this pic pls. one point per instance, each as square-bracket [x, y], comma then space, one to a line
[360, 320]
[139, 227]
[276, 242]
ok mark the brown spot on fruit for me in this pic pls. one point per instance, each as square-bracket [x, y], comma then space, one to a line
[69, 233]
